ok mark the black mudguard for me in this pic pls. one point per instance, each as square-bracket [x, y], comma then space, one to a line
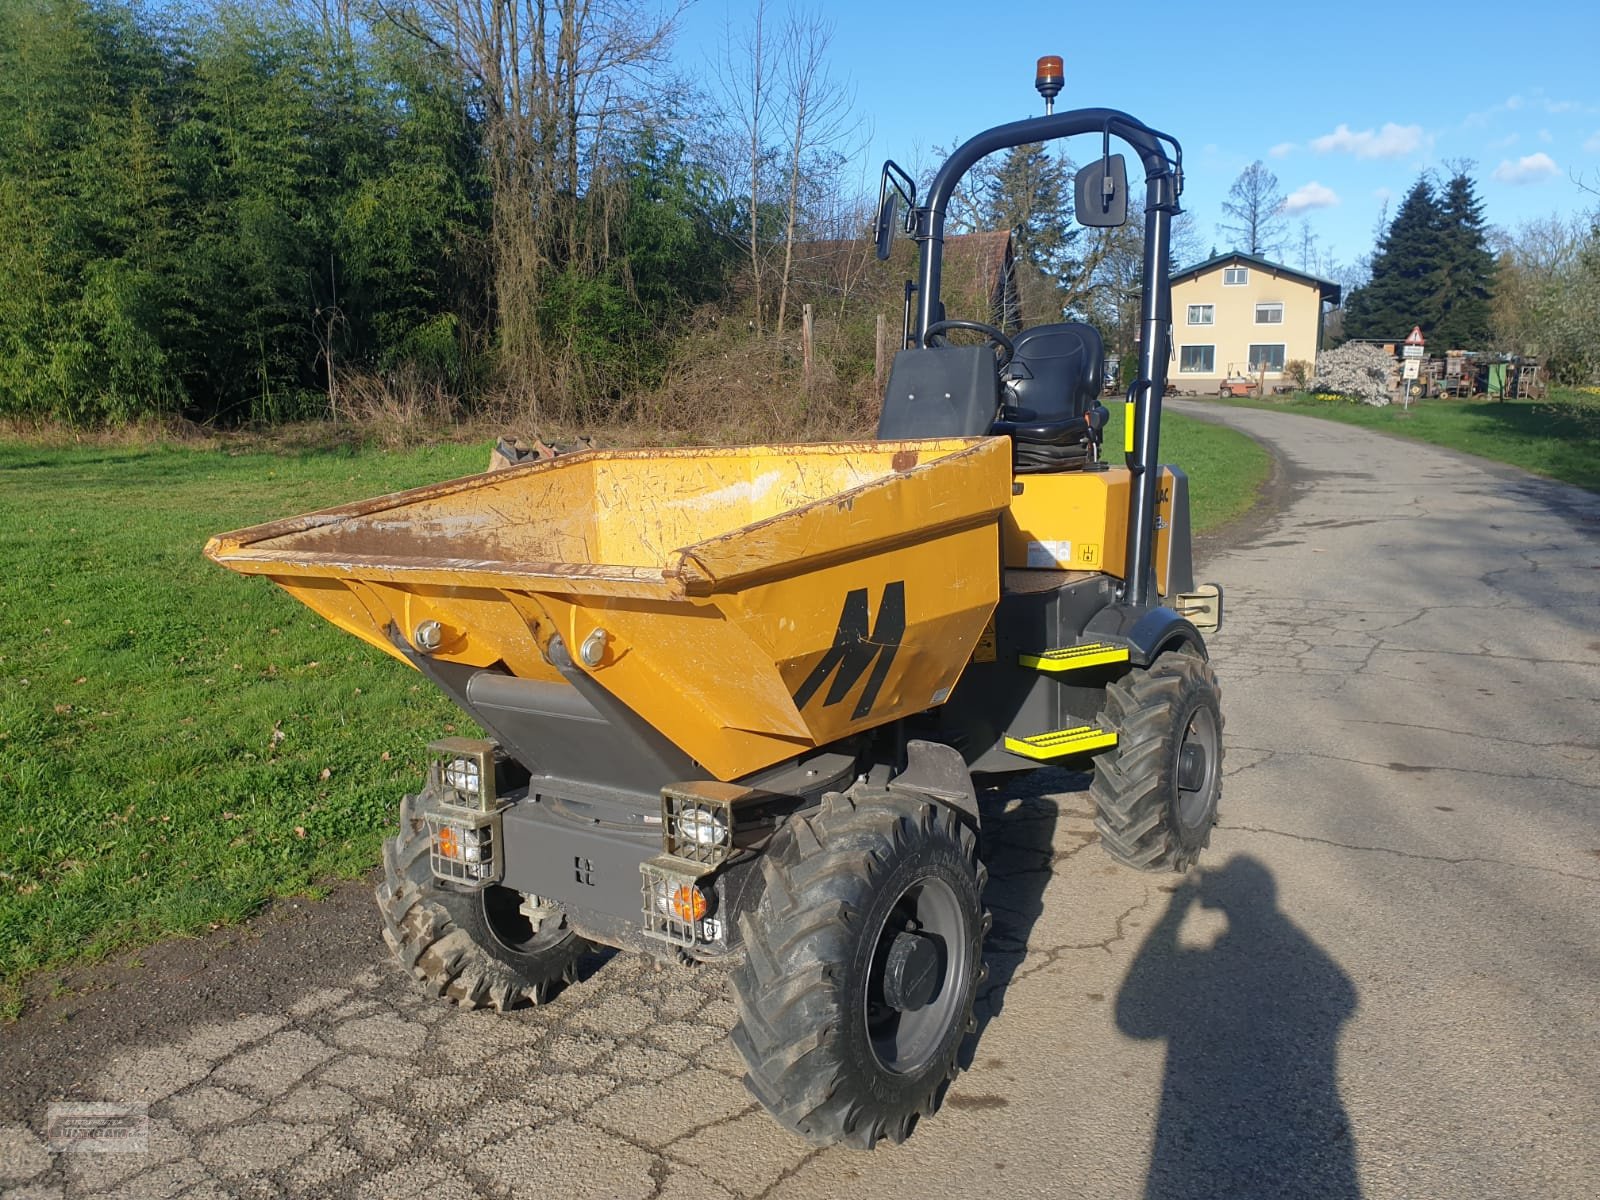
[1147, 632]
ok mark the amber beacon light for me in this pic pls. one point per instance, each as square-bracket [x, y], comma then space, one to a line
[1048, 78]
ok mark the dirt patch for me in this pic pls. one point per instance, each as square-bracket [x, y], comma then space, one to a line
[76, 1017]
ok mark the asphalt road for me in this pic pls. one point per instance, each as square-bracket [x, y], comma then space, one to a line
[1383, 982]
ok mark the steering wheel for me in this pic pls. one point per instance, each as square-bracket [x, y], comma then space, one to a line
[1004, 349]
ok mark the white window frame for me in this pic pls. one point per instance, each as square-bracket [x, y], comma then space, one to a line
[1242, 273]
[1283, 356]
[1210, 314]
[1269, 305]
[1210, 365]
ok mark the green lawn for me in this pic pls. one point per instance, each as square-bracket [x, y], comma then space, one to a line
[1558, 437]
[1225, 468]
[179, 744]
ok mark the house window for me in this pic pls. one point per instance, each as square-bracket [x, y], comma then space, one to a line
[1199, 358]
[1202, 314]
[1270, 313]
[1235, 276]
[1267, 358]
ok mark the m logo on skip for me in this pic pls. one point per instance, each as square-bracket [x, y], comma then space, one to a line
[854, 649]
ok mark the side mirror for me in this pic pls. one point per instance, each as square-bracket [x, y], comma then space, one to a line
[1102, 193]
[884, 229]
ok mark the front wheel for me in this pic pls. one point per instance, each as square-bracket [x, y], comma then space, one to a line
[1156, 791]
[478, 948]
[864, 959]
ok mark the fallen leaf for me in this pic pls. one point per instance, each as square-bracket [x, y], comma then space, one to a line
[326, 773]
[63, 709]
[81, 679]
[385, 756]
[299, 831]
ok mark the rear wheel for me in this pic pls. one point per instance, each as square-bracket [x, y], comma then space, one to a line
[1156, 791]
[864, 959]
[477, 948]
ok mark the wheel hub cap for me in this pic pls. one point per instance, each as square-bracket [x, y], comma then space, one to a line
[912, 971]
[1192, 767]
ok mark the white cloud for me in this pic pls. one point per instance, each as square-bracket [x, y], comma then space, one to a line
[1536, 102]
[1382, 195]
[1531, 168]
[1593, 144]
[1312, 195]
[1545, 136]
[1282, 150]
[1504, 143]
[1392, 141]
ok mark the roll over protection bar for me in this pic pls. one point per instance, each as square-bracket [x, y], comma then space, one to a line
[1163, 184]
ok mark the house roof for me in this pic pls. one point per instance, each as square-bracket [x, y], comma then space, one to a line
[987, 249]
[1330, 291]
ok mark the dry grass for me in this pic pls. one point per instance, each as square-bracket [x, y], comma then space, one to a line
[753, 391]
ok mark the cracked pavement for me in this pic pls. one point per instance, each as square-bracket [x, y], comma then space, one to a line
[1384, 981]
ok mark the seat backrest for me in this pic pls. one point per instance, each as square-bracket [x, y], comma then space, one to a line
[1056, 372]
[940, 391]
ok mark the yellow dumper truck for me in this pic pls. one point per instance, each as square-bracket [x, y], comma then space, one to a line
[734, 699]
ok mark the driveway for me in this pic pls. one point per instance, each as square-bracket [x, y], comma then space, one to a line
[1384, 981]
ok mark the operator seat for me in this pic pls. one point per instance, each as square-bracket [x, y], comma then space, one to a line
[1051, 407]
[1056, 372]
[1046, 400]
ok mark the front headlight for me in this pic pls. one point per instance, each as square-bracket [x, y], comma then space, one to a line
[698, 819]
[703, 828]
[465, 770]
[465, 775]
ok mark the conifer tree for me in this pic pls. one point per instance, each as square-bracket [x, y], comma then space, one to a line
[1408, 269]
[1030, 194]
[1466, 285]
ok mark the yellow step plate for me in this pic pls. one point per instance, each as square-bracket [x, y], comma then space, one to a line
[1075, 658]
[1046, 747]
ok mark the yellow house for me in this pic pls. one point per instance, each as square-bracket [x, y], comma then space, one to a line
[1240, 315]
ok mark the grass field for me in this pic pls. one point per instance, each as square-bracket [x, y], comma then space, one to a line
[1558, 437]
[178, 744]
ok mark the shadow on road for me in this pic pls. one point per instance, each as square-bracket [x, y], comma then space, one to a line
[1250, 1102]
[1019, 836]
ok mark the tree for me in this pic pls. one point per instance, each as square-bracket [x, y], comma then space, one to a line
[1466, 285]
[817, 110]
[1408, 268]
[744, 79]
[1306, 245]
[558, 83]
[86, 212]
[1547, 295]
[1030, 193]
[1256, 205]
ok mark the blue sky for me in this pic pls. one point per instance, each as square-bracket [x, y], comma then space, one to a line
[1345, 103]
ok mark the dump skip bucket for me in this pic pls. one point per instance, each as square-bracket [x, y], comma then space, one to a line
[748, 603]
